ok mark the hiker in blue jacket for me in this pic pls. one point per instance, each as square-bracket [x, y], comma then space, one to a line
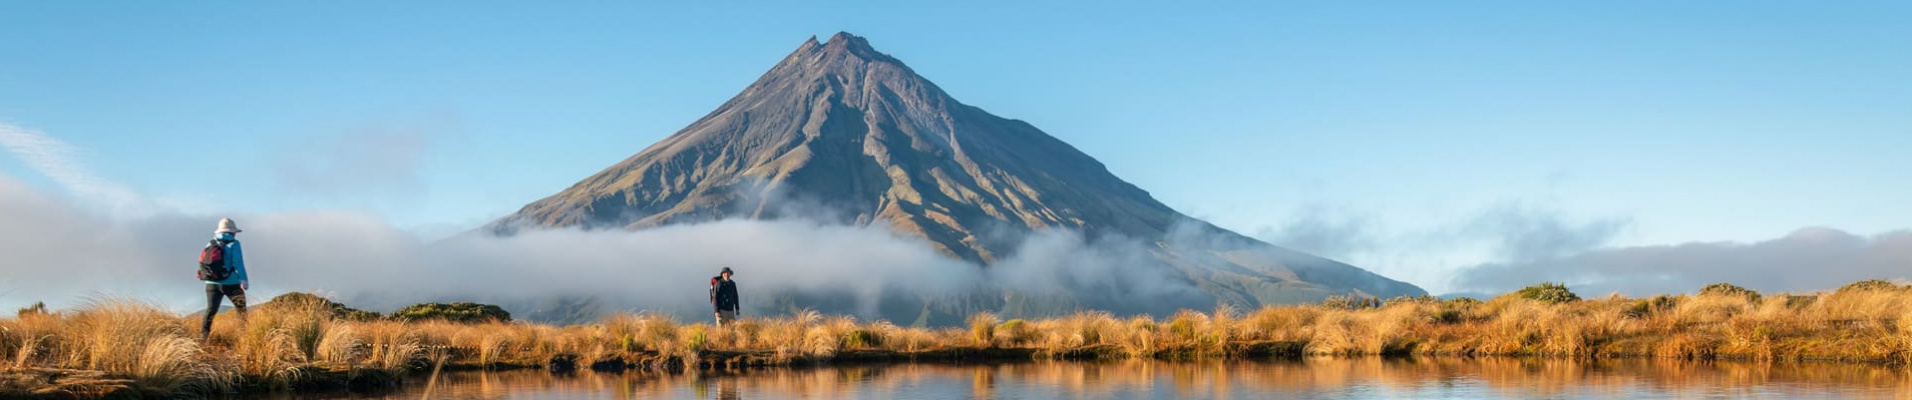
[223, 269]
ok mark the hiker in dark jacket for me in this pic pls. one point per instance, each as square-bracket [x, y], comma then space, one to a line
[235, 282]
[726, 299]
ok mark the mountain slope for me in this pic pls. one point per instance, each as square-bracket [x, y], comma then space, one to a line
[840, 130]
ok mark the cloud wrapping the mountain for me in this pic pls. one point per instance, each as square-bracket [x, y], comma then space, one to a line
[1809, 259]
[64, 254]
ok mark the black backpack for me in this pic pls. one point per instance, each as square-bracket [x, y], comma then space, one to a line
[212, 262]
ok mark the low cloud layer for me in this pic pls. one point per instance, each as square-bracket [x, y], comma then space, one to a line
[64, 254]
[1809, 259]
[1432, 254]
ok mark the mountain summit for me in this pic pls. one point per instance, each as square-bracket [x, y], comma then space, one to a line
[842, 130]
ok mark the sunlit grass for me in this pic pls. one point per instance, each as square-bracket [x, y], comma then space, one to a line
[281, 345]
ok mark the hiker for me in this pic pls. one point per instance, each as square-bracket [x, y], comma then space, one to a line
[725, 297]
[222, 266]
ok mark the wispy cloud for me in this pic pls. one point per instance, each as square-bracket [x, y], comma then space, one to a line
[377, 158]
[1521, 231]
[1508, 231]
[60, 162]
[1324, 232]
[1809, 259]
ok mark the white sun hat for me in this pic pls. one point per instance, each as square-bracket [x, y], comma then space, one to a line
[226, 225]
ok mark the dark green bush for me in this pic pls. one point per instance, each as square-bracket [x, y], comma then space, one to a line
[1455, 310]
[1461, 302]
[1728, 289]
[461, 312]
[1794, 301]
[1664, 302]
[1182, 327]
[1868, 285]
[1350, 302]
[38, 308]
[1647, 307]
[1638, 309]
[340, 311]
[1404, 300]
[1549, 292]
[861, 338]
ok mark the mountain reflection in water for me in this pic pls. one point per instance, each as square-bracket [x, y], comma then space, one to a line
[1329, 378]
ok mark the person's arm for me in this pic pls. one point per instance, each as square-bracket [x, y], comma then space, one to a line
[238, 262]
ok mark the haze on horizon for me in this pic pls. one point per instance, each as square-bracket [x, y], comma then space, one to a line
[1641, 149]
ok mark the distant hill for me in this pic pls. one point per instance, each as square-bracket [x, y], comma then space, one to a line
[848, 134]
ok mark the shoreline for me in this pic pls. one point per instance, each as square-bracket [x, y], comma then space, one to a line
[50, 383]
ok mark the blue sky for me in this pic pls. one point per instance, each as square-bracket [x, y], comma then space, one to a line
[1394, 127]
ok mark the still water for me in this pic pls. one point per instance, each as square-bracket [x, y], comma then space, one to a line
[1326, 378]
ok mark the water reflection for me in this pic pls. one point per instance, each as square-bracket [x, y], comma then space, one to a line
[1357, 378]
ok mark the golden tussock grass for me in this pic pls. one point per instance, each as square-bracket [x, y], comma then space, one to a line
[284, 345]
[128, 339]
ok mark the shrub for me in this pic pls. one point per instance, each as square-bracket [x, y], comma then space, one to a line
[1869, 285]
[1350, 302]
[699, 339]
[461, 312]
[1643, 308]
[1728, 289]
[303, 300]
[1454, 310]
[1794, 301]
[1461, 302]
[1405, 300]
[1549, 292]
[1182, 327]
[1018, 332]
[38, 308]
[861, 338]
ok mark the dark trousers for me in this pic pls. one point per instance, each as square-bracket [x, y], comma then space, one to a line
[213, 294]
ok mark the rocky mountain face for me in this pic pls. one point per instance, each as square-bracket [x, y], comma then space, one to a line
[840, 131]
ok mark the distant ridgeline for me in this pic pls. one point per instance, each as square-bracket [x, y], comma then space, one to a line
[851, 130]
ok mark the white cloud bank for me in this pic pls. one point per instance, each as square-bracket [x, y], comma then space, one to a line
[63, 254]
[1809, 259]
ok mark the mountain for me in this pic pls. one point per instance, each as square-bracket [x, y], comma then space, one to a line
[841, 130]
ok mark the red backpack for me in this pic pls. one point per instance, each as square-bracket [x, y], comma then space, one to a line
[212, 262]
